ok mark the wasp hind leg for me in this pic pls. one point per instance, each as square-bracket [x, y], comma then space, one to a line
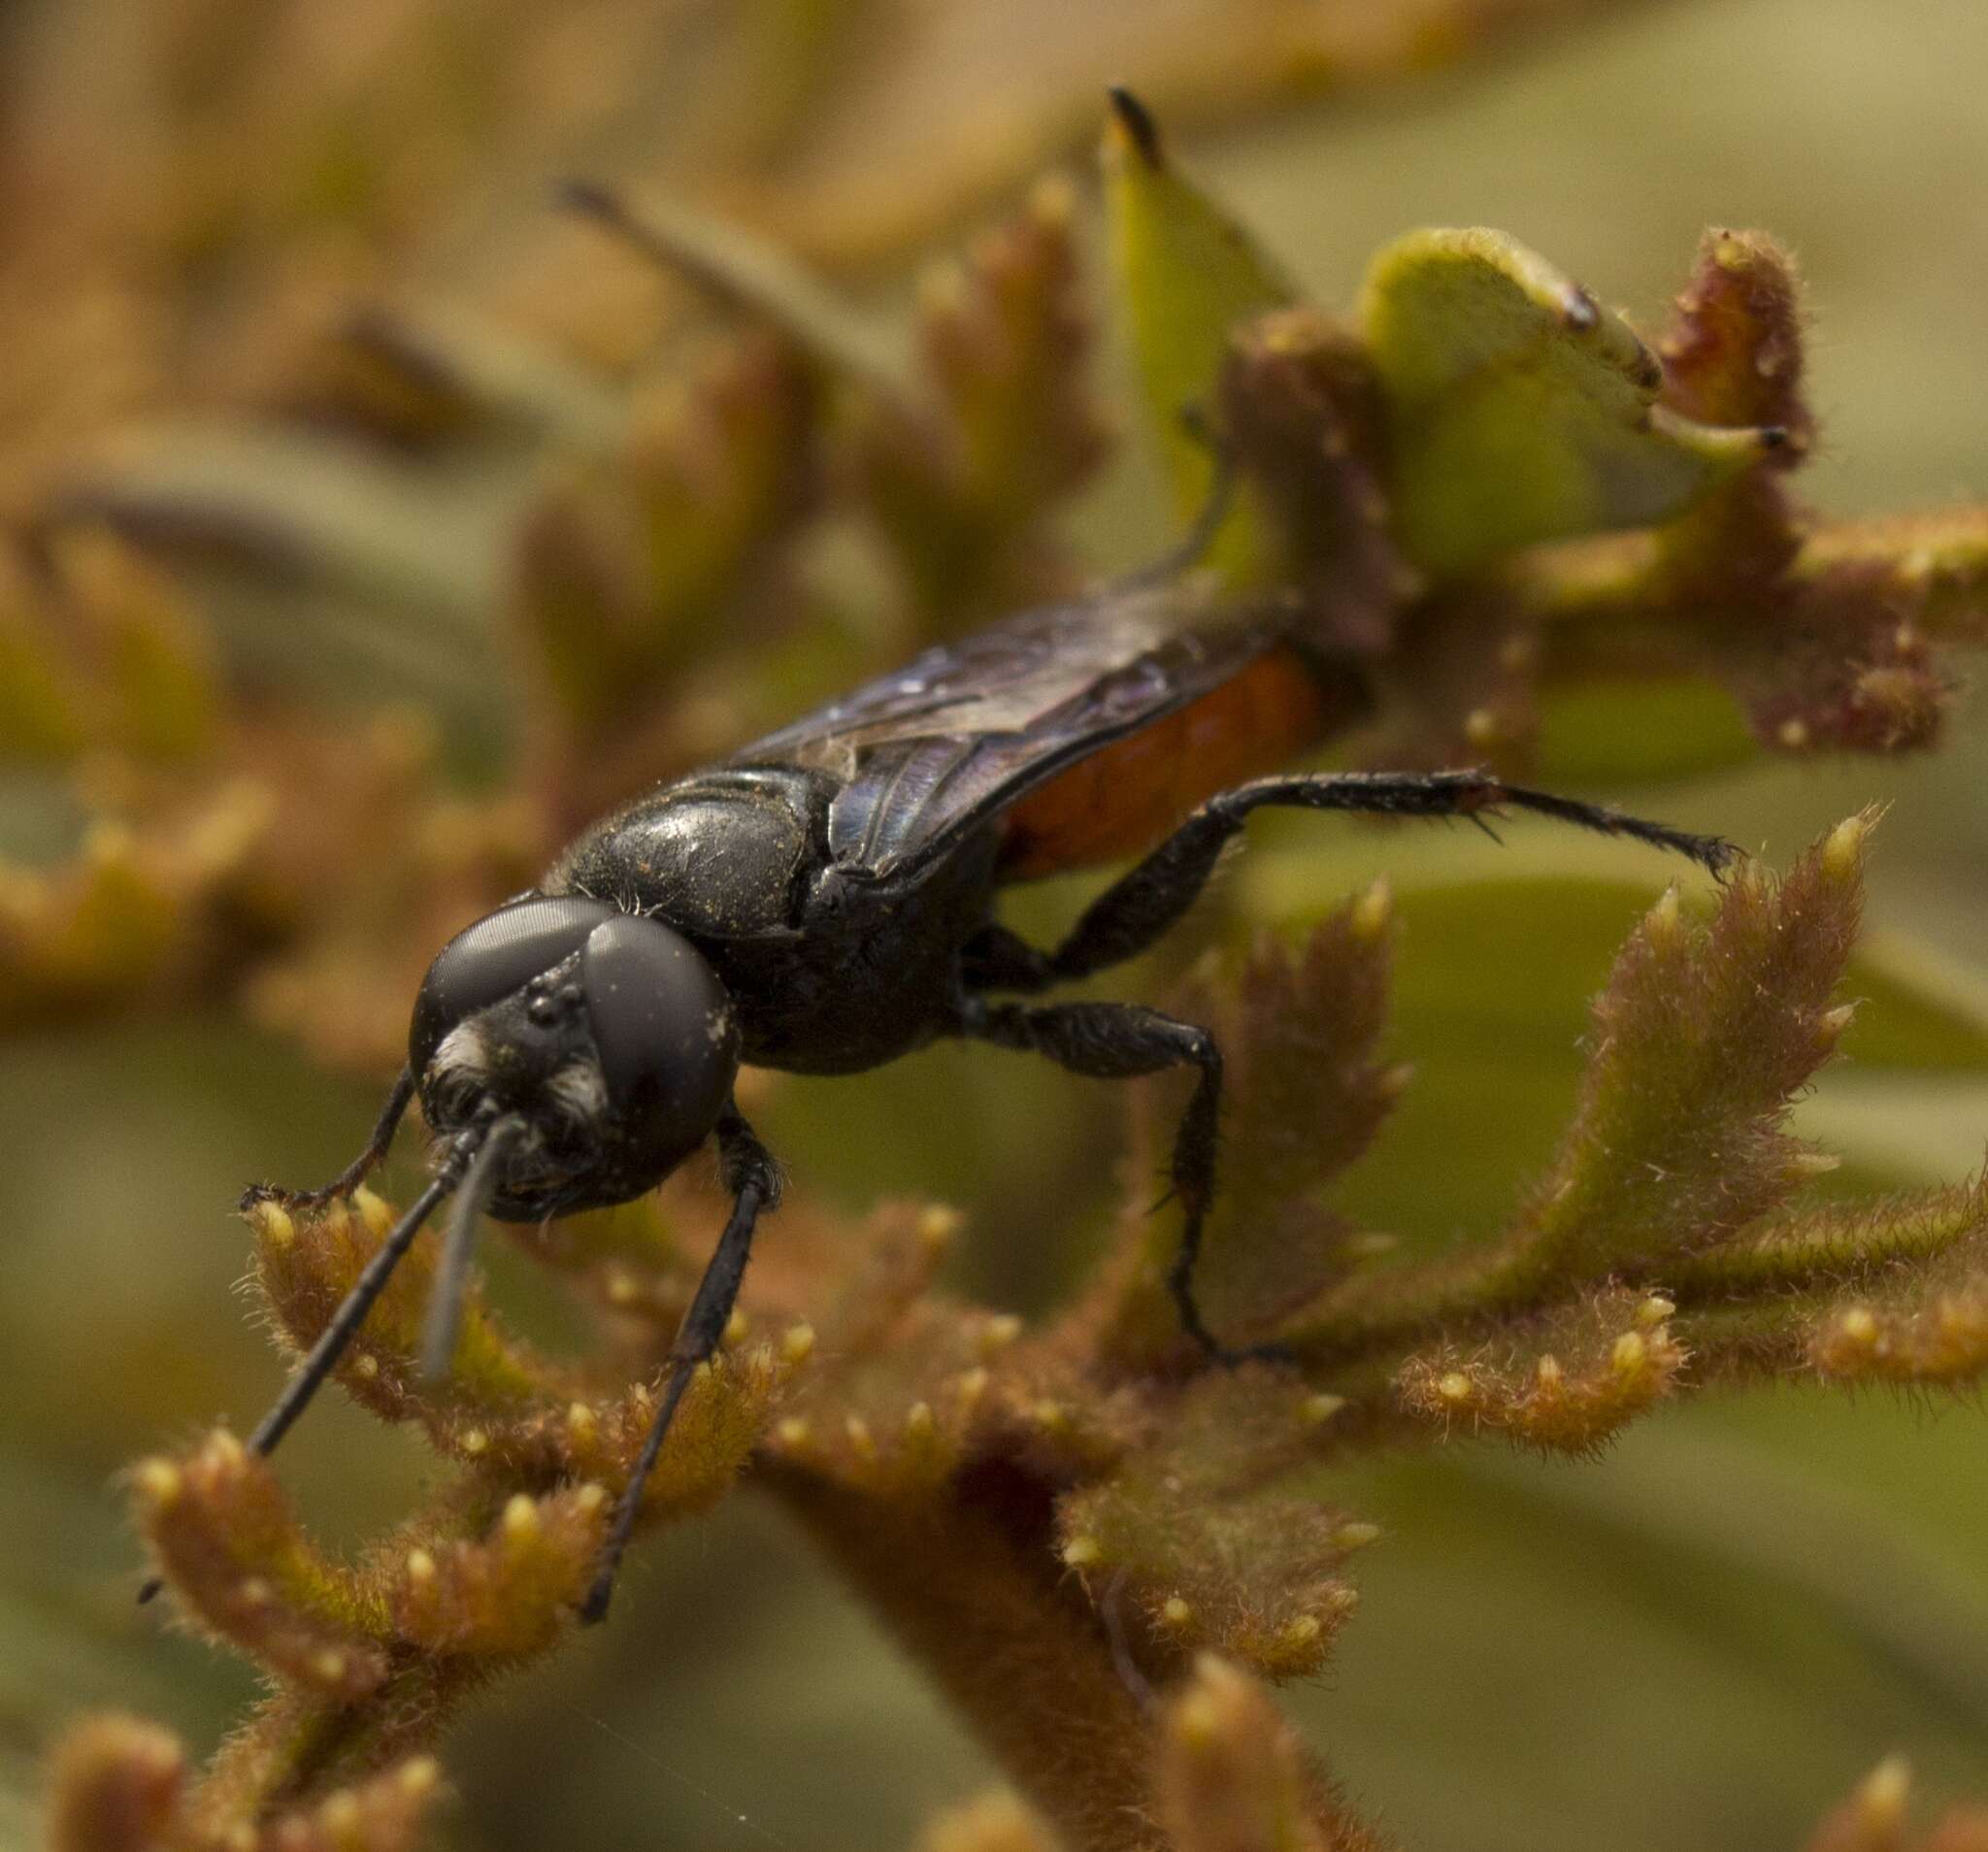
[1118, 1041]
[1144, 904]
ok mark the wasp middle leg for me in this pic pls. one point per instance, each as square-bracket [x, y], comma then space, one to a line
[1119, 1041]
[345, 1183]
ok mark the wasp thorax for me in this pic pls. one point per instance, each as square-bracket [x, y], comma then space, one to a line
[606, 1033]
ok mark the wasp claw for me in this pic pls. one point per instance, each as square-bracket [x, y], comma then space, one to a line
[594, 1609]
[256, 1194]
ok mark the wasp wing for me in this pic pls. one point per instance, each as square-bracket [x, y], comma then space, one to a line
[968, 728]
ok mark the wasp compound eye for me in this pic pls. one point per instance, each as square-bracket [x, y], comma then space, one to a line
[664, 1035]
[500, 953]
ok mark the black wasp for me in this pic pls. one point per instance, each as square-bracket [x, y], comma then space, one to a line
[824, 900]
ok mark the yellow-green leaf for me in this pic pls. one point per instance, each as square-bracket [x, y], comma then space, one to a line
[1499, 950]
[1624, 730]
[1186, 275]
[1520, 410]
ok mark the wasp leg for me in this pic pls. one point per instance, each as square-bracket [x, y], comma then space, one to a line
[749, 1173]
[1141, 905]
[357, 1170]
[1117, 1042]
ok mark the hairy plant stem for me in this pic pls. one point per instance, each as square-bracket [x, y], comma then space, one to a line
[970, 1586]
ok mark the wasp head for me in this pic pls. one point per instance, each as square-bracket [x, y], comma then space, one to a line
[604, 1035]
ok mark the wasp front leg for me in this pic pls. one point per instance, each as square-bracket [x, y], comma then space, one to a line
[748, 1171]
[345, 1183]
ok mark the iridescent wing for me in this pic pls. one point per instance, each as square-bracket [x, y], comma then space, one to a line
[964, 731]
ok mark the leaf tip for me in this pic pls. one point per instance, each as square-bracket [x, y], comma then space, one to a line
[1132, 127]
[1316, 1410]
[158, 1483]
[1371, 914]
[271, 1224]
[1882, 1796]
[1843, 850]
[114, 1786]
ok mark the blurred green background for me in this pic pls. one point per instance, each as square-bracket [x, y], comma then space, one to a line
[1702, 1640]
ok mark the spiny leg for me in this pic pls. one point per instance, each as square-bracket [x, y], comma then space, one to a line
[1118, 1041]
[749, 1173]
[357, 1170]
[1145, 902]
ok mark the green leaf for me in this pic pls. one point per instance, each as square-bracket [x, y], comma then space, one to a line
[1625, 730]
[1186, 276]
[1832, 1245]
[312, 506]
[1919, 1007]
[1498, 953]
[1520, 408]
[1499, 950]
[428, 374]
[1745, 1571]
[1892, 1128]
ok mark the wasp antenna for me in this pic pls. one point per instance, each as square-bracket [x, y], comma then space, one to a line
[357, 1170]
[1137, 120]
[351, 1314]
[452, 1271]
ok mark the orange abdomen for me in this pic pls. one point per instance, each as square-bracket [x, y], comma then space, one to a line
[1123, 799]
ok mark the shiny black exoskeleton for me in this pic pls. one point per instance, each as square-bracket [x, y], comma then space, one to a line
[824, 903]
[603, 1033]
[829, 969]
